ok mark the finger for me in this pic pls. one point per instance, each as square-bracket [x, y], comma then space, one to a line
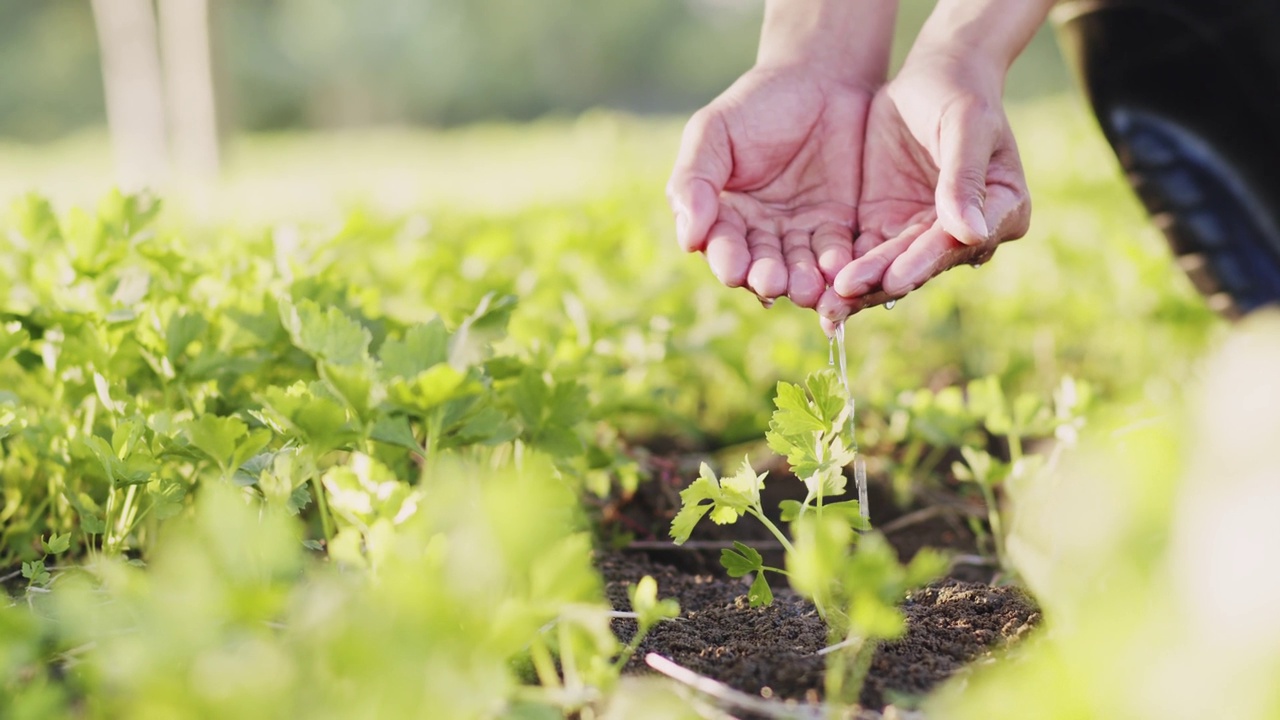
[703, 165]
[768, 274]
[865, 243]
[866, 272]
[804, 281]
[727, 253]
[933, 252]
[834, 309]
[1008, 211]
[833, 247]
[966, 143]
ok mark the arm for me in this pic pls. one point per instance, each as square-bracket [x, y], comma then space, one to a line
[850, 39]
[980, 39]
[942, 182]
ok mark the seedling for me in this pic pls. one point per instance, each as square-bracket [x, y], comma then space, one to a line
[811, 427]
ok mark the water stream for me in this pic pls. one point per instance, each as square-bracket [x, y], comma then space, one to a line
[837, 349]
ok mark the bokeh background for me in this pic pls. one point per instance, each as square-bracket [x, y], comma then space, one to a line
[343, 97]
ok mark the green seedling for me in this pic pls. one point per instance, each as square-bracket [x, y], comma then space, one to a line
[649, 611]
[35, 571]
[811, 428]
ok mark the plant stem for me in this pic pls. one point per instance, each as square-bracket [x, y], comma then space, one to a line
[759, 515]
[790, 549]
[543, 664]
[322, 506]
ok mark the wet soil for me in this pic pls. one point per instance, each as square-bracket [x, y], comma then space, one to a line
[771, 652]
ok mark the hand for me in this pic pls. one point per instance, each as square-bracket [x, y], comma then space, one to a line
[943, 183]
[767, 179]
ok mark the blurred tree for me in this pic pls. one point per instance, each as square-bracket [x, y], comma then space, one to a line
[188, 84]
[283, 64]
[134, 90]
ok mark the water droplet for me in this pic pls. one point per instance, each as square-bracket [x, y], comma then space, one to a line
[831, 351]
[766, 302]
[889, 305]
[975, 265]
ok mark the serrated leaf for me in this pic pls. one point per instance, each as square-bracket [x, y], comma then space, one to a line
[692, 507]
[744, 485]
[789, 510]
[328, 335]
[741, 559]
[760, 594]
[794, 415]
[422, 347]
[432, 388]
[299, 499]
[356, 384]
[216, 437]
[829, 398]
[396, 430]
[319, 420]
[57, 544]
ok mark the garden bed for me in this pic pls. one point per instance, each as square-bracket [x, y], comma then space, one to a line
[773, 652]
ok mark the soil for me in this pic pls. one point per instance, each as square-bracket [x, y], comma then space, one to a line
[771, 652]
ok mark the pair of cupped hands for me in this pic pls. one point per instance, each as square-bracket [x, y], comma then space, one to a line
[843, 195]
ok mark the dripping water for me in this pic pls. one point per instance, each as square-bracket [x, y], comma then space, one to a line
[859, 467]
[889, 304]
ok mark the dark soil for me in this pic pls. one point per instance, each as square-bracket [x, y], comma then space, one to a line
[771, 652]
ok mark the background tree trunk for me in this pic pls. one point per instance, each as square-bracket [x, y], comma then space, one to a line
[134, 91]
[188, 79]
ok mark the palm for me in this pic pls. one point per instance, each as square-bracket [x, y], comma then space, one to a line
[901, 242]
[788, 149]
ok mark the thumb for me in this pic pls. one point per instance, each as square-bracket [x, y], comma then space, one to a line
[966, 142]
[702, 169]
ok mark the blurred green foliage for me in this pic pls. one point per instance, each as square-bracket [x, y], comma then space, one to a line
[428, 395]
[287, 64]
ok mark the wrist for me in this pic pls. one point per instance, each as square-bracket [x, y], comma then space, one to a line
[848, 40]
[984, 35]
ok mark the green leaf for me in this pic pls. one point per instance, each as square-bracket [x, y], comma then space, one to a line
[830, 401]
[422, 347]
[648, 608]
[789, 510]
[167, 498]
[298, 410]
[355, 383]
[794, 415]
[12, 339]
[741, 559]
[473, 340]
[396, 430]
[432, 388]
[216, 438]
[183, 329]
[35, 572]
[760, 594]
[327, 335]
[299, 499]
[692, 507]
[851, 511]
[57, 544]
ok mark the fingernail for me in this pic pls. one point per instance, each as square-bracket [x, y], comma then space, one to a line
[978, 224]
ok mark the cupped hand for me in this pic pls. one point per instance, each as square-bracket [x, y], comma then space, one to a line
[767, 180]
[942, 183]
